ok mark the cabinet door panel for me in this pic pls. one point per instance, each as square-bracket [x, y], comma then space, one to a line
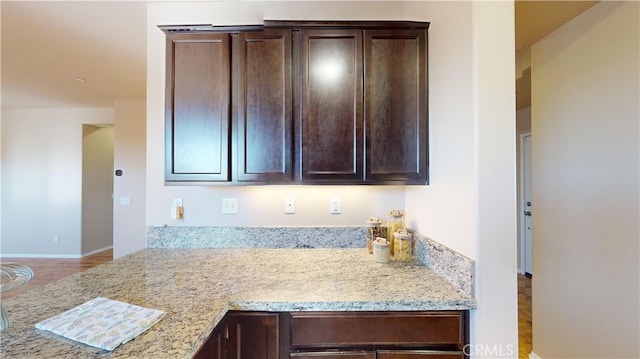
[215, 346]
[253, 335]
[331, 95]
[396, 105]
[262, 80]
[197, 107]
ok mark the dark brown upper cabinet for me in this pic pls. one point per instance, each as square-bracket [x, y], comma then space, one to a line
[395, 105]
[197, 107]
[331, 100]
[262, 114]
[228, 105]
[297, 102]
[363, 102]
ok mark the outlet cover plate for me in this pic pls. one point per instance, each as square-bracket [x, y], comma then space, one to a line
[229, 205]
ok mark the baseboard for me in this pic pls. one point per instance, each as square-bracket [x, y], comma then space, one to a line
[55, 256]
[44, 255]
[97, 251]
[533, 355]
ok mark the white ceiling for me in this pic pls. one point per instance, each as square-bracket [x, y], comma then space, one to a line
[46, 44]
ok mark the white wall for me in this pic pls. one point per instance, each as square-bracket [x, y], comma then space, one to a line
[470, 204]
[97, 189]
[129, 228]
[42, 179]
[0, 138]
[257, 206]
[496, 321]
[445, 210]
[585, 120]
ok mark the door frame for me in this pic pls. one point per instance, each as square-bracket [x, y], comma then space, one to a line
[521, 205]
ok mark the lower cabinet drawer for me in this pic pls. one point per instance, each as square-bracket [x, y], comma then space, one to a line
[419, 354]
[334, 355]
[381, 354]
[379, 330]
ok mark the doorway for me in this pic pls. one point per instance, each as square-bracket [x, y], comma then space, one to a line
[97, 188]
[525, 204]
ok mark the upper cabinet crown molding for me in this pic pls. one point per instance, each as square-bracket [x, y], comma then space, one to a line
[208, 28]
[292, 24]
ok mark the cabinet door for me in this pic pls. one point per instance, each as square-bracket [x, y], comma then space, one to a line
[331, 101]
[262, 110]
[253, 335]
[396, 105]
[197, 107]
[334, 355]
[215, 346]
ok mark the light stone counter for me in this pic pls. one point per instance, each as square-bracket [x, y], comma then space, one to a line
[196, 287]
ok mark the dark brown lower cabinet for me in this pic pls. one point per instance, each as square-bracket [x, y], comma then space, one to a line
[216, 346]
[334, 355]
[418, 354]
[340, 335]
[253, 335]
[381, 354]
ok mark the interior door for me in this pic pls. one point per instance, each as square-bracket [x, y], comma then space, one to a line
[526, 203]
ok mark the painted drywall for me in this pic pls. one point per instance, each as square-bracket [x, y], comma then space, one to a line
[470, 204]
[258, 205]
[42, 179]
[496, 323]
[0, 138]
[97, 189]
[129, 229]
[585, 111]
[445, 210]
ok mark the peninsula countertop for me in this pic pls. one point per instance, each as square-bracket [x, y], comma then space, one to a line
[196, 287]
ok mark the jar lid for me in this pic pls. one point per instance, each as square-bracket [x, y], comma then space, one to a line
[374, 221]
[402, 234]
[395, 213]
[381, 241]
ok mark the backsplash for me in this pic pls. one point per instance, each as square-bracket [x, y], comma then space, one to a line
[455, 268]
[255, 237]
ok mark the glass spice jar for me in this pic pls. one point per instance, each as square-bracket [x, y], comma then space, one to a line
[403, 246]
[374, 230]
[395, 221]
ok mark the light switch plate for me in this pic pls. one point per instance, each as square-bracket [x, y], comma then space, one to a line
[334, 205]
[289, 205]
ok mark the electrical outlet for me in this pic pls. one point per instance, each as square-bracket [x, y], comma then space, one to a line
[56, 239]
[289, 205]
[334, 205]
[229, 205]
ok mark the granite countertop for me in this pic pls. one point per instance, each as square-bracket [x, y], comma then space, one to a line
[196, 287]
